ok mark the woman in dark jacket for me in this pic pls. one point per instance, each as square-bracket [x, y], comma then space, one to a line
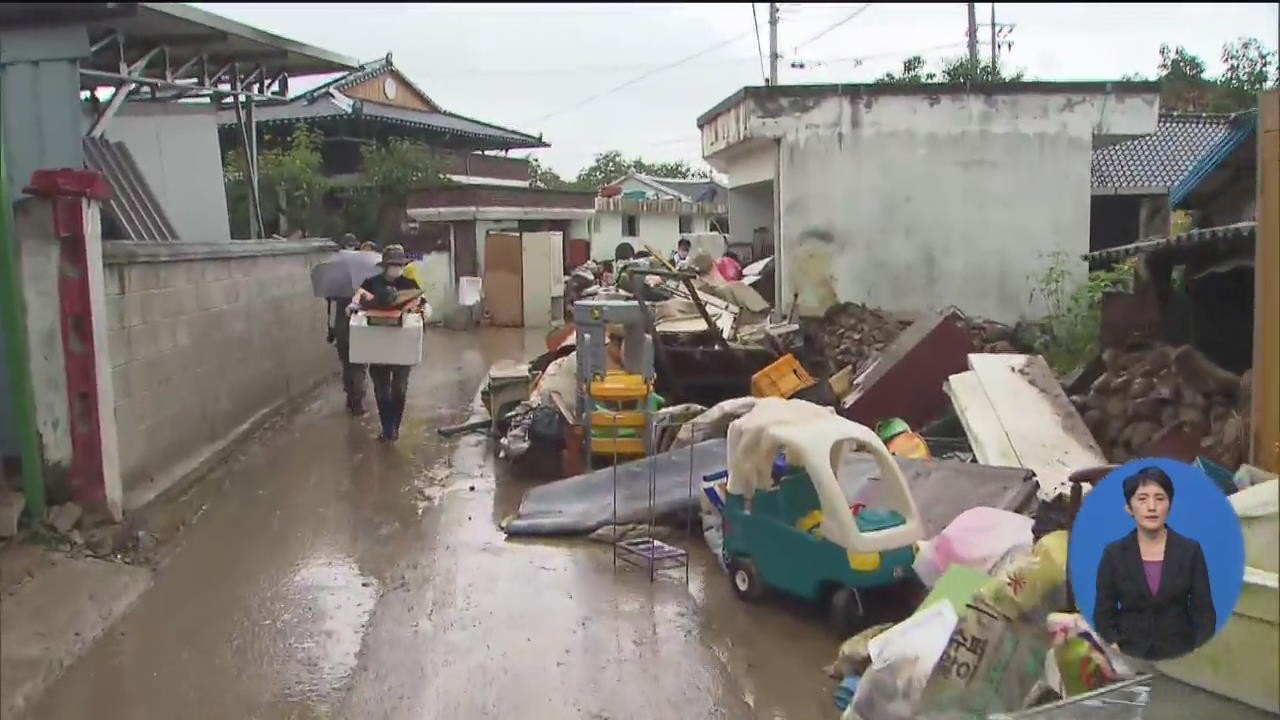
[1153, 598]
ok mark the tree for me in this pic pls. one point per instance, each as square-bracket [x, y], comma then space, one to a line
[604, 169]
[955, 71]
[1249, 68]
[544, 177]
[389, 171]
[611, 165]
[913, 73]
[291, 186]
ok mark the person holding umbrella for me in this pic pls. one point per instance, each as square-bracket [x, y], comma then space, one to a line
[390, 382]
[334, 280]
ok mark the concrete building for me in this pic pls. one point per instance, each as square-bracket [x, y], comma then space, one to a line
[912, 197]
[655, 212]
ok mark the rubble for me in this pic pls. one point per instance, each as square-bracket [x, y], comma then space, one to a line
[854, 334]
[64, 517]
[1146, 394]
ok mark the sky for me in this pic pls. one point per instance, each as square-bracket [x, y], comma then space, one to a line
[635, 77]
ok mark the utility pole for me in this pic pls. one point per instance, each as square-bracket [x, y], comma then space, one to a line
[773, 43]
[973, 37]
[995, 46]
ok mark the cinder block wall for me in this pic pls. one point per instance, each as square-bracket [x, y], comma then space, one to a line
[203, 338]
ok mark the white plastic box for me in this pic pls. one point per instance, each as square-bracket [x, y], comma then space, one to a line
[386, 345]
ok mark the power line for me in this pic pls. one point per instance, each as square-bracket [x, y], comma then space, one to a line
[846, 19]
[639, 78]
[759, 50]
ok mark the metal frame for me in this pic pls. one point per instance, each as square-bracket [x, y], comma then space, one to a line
[179, 68]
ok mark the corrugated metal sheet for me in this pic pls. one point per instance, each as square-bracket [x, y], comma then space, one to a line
[1225, 235]
[1243, 129]
[133, 205]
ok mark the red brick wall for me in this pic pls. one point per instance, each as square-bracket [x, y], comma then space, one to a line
[488, 166]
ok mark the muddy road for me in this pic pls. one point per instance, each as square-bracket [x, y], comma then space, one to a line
[328, 576]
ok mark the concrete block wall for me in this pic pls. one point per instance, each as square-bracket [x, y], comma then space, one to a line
[202, 341]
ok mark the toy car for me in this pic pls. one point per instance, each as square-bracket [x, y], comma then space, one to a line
[801, 537]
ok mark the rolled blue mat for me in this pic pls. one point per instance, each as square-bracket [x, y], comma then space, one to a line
[845, 691]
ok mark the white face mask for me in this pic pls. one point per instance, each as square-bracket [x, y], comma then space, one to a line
[394, 271]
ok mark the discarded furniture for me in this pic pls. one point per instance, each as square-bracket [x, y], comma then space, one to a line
[592, 319]
[1015, 414]
[906, 379]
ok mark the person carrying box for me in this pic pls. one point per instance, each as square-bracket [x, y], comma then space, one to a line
[390, 382]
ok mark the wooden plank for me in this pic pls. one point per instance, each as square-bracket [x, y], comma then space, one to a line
[1264, 449]
[982, 426]
[1045, 431]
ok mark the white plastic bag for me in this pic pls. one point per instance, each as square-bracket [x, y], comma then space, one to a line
[902, 659]
[982, 538]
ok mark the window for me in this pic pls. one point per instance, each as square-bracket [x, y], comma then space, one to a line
[686, 223]
[630, 226]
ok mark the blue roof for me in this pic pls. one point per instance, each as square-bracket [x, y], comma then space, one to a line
[1243, 127]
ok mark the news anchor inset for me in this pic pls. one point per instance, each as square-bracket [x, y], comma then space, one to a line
[1153, 598]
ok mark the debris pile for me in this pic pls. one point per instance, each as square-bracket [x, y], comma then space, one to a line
[1147, 393]
[854, 334]
[992, 337]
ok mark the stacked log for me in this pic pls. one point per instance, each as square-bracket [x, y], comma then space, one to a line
[1148, 392]
[854, 334]
[992, 337]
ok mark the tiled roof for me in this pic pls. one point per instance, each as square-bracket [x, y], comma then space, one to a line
[686, 190]
[1161, 159]
[327, 101]
[706, 191]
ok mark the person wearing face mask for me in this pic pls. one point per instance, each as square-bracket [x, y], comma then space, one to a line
[390, 382]
[1153, 595]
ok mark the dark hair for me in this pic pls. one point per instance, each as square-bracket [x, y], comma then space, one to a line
[733, 256]
[624, 251]
[684, 243]
[1147, 476]
[643, 254]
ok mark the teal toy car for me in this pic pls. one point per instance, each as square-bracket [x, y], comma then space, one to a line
[800, 537]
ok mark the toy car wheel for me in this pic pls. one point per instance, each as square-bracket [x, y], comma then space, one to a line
[745, 579]
[846, 613]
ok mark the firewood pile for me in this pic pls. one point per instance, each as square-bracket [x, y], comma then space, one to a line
[854, 334]
[1146, 393]
[991, 337]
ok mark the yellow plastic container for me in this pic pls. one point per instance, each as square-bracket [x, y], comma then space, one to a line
[783, 378]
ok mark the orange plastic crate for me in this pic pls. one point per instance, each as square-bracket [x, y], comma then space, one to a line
[783, 378]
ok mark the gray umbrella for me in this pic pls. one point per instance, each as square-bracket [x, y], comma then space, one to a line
[340, 275]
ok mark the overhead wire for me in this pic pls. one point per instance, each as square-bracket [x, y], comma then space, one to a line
[759, 50]
[846, 19]
[639, 78]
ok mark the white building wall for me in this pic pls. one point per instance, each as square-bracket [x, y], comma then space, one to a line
[750, 207]
[662, 231]
[909, 202]
[176, 147]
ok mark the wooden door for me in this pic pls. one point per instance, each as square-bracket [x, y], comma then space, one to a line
[503, 279]
[465, 262]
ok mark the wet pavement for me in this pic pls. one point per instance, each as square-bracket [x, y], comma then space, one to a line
[329, 576]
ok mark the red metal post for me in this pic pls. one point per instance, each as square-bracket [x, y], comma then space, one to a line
[68, 190]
